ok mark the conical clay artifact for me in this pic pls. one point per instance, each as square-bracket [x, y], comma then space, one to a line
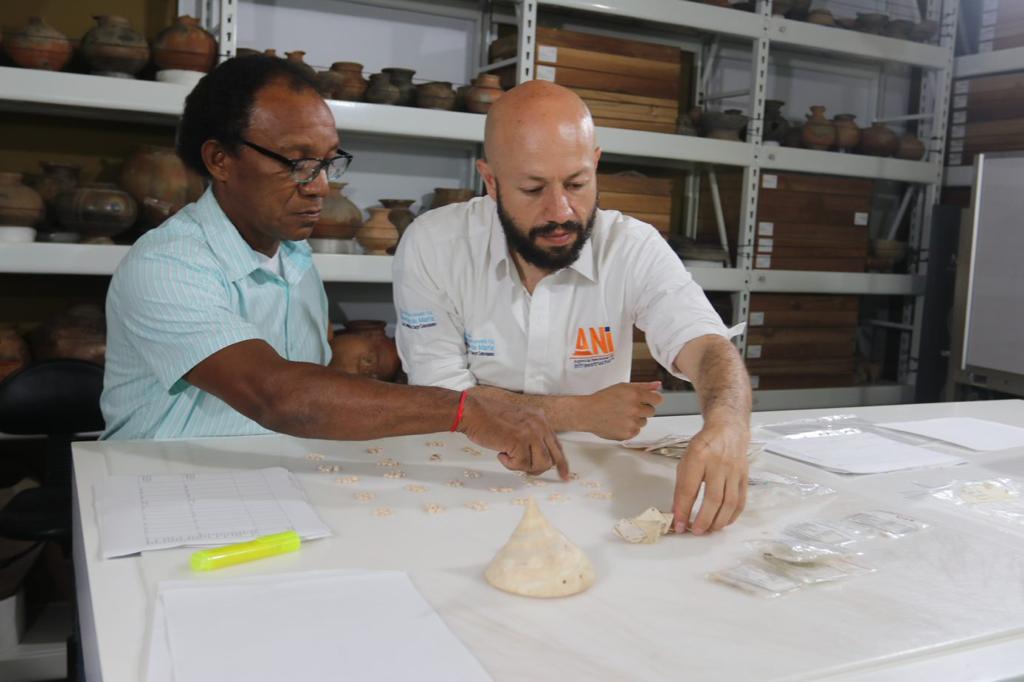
[538, 561]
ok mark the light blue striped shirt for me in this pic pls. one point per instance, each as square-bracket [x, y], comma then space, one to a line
[186, 290]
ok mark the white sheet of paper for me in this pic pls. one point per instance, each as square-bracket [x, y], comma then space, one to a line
[317, 625]
[860, 453]
[158, 511]
[967, 432]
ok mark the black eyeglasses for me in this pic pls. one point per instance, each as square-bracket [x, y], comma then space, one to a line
[305, 171]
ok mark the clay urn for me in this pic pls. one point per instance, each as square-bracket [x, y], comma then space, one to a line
[270, 52]
[39, 46]
[56, 179]
[79, 333]
[382, 90]
[157, 180]
[399, 213]
[354, 354]
[485, 90]
[246, 52]
[388, 362]
[821, 17]
[185, 45]
[402, 79]
[352, 86]
[819, 132]
[775, 124]
[724, 125]
[297, 57]
[20, 205]
[436, 95]
[339, 217]
[910, 148]
[97, 209]
[847, 131]
[377, 234]
[14, 353]
[113, 48]
[879, 140]
[450, 195]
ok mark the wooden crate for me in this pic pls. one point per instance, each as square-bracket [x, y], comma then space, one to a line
[778, 343]
[803, 310]
[987, 114]
[650, 200]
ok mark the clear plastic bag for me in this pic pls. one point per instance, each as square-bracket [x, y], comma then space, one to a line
[998, 498]
[829, 570]
[888, 523]
[757, 577]
[767, 489]
[796, 551]
[834, 533]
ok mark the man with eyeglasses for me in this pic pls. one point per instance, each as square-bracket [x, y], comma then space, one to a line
[217, 319]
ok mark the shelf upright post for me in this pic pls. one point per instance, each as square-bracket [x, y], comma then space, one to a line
[218, 17]
[527, 15]
[936, 90]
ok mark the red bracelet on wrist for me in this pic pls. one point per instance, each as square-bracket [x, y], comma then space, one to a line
[462, 408]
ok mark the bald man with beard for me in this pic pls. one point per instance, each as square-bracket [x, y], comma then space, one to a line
[530, 294]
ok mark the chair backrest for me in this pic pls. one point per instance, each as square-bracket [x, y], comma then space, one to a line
[55, 397]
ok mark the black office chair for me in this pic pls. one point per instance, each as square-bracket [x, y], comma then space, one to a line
[56, 399]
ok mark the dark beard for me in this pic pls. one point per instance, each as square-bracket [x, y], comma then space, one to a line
[546, 259]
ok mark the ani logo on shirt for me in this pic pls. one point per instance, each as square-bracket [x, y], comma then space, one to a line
[595, 346]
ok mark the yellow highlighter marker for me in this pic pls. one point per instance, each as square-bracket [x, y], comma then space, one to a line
[260, 548]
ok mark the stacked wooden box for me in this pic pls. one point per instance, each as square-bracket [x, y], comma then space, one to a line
[987, 115]
[802, 341]
[1001, 25]
[804, 222]
[644, 367]
[626, 83]
[644, 198]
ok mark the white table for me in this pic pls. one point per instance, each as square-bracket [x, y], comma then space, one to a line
[945, 604]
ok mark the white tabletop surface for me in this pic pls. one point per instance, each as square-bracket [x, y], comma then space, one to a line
[945, 604]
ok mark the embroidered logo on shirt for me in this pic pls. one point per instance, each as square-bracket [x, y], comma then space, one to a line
[476, 346]
[595, 346]
[418, 320]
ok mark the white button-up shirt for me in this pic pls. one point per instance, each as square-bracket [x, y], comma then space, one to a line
[465, 318]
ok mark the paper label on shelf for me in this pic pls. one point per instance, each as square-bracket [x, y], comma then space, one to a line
[961, 87]
[753, 352]
[770, 181]
[990, 5]
[860, 218]
[960, 116]
[763, 262]
[958, 131]
[755, 381]
[765, 245]
[546, 73]
[987, 33]
[989, 18]
[960, 102]
[547, 53]
[757, 319]
[766, 229]
[956, 145]
[956, 159]
[985, 47]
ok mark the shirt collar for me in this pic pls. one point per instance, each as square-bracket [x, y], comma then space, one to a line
[234, 253]
[501, 258]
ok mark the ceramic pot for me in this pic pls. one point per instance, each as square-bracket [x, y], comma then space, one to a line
[847, 131]
[821, 17]
[382, 90]
[724, 125]
[56, 179]
[20, 205]
[327, 82]
[14, 353]
[795, 9]
[80, 333]
[436, 95]
[97, 209]
[402, 79]
[296, 57]
[185, 45]
[39, 46]
[450, 195]
[910, 148]
[377, 234]
[399, 213]
[339, 217]
[247, 52]
[818, 133]
[352, 85]
[899, 29]
[888, 252]
[686, 126]
[354, 354]
[870, 22]
[775, 124]
[113, 48]
[925, 31]
[794, 136]
[270, 52]
[156, 179]
[878, 140]
[485, 90]
[388, 362]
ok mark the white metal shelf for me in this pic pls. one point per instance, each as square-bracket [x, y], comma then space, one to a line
[807, 37]
[686, 402]
[676, 13]
[719, 279]
[989, 63]
[850, 165]
[867, 283]
[959, 176]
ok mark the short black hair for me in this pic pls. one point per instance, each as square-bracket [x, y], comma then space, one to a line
[220, 105]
